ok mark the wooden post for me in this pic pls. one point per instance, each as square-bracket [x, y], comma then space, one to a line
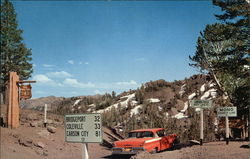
[201, 128]
[227, 130]
[85, 151]
[45, 115]
[13, 101]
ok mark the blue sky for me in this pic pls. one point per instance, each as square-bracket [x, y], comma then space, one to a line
[85, 48]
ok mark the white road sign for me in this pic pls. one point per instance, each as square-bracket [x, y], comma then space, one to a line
[227, 111]
[201, 103]
[84, 128]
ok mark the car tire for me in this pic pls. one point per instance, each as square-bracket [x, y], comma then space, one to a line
[155, 150]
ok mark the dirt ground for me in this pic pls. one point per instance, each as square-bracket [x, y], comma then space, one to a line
[212, 150]
[36, 142]
[53, 144]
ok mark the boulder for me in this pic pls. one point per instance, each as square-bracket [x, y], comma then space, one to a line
[34, 124]
[39, 144]
[45, 153]
[51, 129]
[25, 142]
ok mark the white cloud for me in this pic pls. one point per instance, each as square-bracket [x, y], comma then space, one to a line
[45, 80]
[86, 63]
[74, 83]
[132, 82]
[71, 62]
[47, 65]
[60, 74]
[42, 78]
[98, 92]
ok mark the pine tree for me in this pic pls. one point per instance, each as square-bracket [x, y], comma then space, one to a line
[223, 51]
[14, 54]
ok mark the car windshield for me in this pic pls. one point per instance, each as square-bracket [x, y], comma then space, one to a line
[140, 134]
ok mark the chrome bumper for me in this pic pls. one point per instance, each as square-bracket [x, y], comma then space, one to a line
[126, 151]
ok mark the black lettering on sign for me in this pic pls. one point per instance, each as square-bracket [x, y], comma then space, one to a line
[97, 126]
[97, 119]
[76, 119]
[97, 133]
[84, 133]
[73, 133]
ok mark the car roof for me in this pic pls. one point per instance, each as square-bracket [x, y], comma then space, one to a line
[153, 130]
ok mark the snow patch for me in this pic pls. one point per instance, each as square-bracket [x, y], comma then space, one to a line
[191, 96]
[246, 66]
[202, 89]
[135, 110]
[179, 116]
[212, 85]
[166, 114]
[185, 107]
[76, 102]
[123, 104]
[182, 91]
[160, 108]
[212, 92]
[133, 102]
[154, 100]
[92, 105]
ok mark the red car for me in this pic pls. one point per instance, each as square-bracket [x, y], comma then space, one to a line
[151, 140]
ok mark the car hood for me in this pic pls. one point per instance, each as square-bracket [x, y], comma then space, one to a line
[132, 142]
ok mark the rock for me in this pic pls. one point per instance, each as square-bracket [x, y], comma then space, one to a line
[51, 129]
[39, 144]
[25, 142]
[15, 135]
[34, 124]
[45, 153]
[39, 151]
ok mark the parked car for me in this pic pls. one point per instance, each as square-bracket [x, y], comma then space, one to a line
[151, 140]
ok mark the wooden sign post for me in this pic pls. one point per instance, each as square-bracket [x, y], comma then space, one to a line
[13, 99]
[201, 104]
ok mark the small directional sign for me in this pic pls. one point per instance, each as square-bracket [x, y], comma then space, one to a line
[227, 111]
[84, 128]
[201, 103]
